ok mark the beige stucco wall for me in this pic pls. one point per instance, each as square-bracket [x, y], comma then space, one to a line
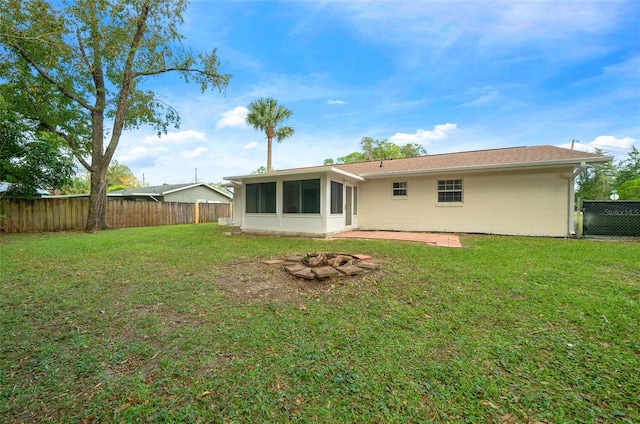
[515, 203]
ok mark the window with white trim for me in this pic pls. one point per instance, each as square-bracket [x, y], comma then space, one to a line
[450, 191]
[400, 189]
[301, 196]
[261, 198]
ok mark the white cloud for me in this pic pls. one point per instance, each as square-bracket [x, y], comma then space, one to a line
[421, 136]
[336, 102]
[251, 145]
[608, 144]
[605, 141]
[142, 157]
[190, 154]
[234, 118]
[178, 137]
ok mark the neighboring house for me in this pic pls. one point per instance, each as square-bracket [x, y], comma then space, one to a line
[185, 193]
[513, 191]
[6, 192]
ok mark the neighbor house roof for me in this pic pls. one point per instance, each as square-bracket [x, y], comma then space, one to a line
[511, 157]
[162, 190]
[4, 187]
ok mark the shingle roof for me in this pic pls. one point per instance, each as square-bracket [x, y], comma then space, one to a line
[161, 190]
[510, 157]
[494, 158]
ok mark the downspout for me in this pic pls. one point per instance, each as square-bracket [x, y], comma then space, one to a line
[572, 194]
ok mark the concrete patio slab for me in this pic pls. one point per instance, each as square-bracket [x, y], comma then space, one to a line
[435, 239]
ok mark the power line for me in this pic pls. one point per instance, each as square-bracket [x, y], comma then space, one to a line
[603, 146]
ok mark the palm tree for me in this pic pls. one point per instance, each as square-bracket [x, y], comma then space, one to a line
[265, 115]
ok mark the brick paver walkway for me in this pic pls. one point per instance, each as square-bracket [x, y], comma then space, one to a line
[436, 239]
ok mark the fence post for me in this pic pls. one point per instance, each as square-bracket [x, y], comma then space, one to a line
[197, 218]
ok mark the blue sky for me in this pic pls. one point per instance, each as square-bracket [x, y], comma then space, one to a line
[450, 75]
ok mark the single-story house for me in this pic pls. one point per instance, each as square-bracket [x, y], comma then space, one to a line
[7, 191]
[185, 193]
[511, 191]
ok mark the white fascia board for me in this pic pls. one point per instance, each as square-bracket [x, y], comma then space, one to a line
[506, 166]
[319, 170]
[348, 175]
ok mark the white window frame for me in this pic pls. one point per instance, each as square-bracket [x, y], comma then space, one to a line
[399, 189]
[448, 188]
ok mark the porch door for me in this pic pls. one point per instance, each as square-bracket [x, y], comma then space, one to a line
[349, 209]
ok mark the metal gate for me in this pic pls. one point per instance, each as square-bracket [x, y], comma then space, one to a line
[611, 218]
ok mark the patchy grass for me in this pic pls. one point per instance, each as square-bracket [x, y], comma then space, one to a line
[145, 325]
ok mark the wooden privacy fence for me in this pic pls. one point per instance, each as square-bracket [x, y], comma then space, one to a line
[40, 215]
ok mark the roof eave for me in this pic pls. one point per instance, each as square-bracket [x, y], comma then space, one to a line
[319, 170]
[545, 164]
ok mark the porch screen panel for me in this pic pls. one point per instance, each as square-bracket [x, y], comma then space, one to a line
[301, 196]
[336, 197]
[261, 198]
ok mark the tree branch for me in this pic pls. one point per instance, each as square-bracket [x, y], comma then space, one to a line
[127, 80]
[85, 59]
[70, 141]
[174, 69]
[48, 77]
[42, 38]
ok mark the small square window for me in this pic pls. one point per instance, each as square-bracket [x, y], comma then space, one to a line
[399, 189]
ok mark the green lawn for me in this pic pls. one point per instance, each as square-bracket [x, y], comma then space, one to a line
[184, 324]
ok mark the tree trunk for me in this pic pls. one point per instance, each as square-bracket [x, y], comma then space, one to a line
[269, 143]
[97, 219]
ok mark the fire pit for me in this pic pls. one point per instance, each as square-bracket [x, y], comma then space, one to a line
[314, 260]
[324, 265]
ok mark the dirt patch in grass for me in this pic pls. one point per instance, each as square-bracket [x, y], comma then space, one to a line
[271, 282]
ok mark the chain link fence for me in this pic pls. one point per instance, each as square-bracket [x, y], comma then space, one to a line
[611, 218]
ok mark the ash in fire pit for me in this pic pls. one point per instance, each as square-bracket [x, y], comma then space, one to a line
[314, 260]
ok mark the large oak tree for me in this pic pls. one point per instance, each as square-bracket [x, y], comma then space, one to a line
[76, 67]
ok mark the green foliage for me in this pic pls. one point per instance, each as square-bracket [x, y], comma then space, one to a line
[372, 149]
[597, 181]
[116, 188]
[507, 329]
[265, 114]
[222, 188]
[79, 184]
[630, 190]
[260, 170]
[30, 159]
[629, 169]
[75, 68]
[121, 175]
